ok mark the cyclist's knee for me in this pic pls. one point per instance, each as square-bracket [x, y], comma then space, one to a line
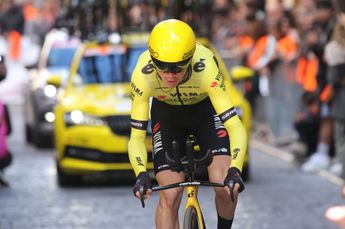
[170, 199]
[221, 194]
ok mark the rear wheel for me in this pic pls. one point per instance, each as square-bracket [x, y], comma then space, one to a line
[191, 219]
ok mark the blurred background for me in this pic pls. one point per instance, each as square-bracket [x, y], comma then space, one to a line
[58, 56]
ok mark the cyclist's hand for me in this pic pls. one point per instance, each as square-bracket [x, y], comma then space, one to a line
[143, 187]
[233, 183]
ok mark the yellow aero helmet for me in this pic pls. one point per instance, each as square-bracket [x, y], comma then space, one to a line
[172, 41]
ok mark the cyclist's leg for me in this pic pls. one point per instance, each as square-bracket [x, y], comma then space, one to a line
[169, 200]
[211, 134]
[164, 131]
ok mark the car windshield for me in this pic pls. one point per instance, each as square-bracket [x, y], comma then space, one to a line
[60, 57]
[105, 68]
[134, 53]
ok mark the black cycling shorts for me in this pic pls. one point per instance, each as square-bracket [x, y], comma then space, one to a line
[172, 122]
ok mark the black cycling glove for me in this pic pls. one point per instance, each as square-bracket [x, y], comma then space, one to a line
[143, 180]
[234, 175]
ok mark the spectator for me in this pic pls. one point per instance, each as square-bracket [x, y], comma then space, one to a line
[315, 41]
[335, 57]
[307, 123]
[5, 130]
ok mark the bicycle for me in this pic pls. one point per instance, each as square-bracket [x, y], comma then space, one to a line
[192, 217]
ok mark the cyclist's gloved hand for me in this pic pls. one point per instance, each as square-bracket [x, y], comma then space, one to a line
[234, 175]
[143, 180]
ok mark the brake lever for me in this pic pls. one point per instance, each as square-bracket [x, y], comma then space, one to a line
[231, 186]
[142, 193]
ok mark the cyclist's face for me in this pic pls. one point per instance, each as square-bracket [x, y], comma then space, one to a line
[172, 79]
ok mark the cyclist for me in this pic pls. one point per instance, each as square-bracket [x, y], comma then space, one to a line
[189, 96]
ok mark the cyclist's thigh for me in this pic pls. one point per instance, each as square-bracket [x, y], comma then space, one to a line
[170, 196]
[211, 133]
[218, 170]
[165, 130]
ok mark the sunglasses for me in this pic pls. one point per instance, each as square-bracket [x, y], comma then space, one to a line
[176, 67]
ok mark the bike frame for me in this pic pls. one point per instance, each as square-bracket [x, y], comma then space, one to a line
[192, 201]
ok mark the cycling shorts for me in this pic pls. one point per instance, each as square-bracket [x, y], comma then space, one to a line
[172, 122]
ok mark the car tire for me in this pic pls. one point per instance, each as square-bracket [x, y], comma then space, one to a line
[67, 180]
[28, 134]
[40, 140]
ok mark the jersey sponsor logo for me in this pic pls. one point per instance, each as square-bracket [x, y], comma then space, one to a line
[235, 153]
[214, 84]
[222, 133]
[140, 125]
[149, 68]
[135, 90]
[156, 127]
[188, 54]
[228, 114]
[179, 94]
[157, 142]
[162, 166]
[161, 97]
[218, 82]
[218, 122]
[220, 150]
[139, 161]
[199, 66]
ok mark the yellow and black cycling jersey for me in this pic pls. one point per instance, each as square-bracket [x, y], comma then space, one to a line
[203, 79]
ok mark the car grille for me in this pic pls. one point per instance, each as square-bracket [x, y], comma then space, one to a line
[98, 156]
[120, 125]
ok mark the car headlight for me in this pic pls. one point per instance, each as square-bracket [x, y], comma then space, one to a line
[50, 90]
[76, 117]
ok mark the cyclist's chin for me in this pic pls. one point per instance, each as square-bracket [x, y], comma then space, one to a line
[171, 83]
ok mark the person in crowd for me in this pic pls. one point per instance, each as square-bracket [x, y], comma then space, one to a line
[307, 123]
[335, 57]
[316, 40]
[175, 64]
[5, 130]
[12, 27]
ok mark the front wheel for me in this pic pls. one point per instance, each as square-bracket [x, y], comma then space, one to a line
[191, 220]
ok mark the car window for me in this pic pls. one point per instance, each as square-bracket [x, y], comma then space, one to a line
[60, 57]
[103, 69]
[133, 55]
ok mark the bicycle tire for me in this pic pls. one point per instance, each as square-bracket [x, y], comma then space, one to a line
[191, 219]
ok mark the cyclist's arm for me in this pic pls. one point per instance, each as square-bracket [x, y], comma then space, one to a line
[140, 93]
[220, 98]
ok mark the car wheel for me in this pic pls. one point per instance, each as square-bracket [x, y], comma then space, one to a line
[28, 133]
[40, 140]
[65, 180]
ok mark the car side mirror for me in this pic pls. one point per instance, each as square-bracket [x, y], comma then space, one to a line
[54, 80]
[239, 73]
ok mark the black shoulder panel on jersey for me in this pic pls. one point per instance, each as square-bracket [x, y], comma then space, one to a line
[140, 125]
[226, 115]
[215, 60]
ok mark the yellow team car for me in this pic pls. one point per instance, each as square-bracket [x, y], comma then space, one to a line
[92, 124]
